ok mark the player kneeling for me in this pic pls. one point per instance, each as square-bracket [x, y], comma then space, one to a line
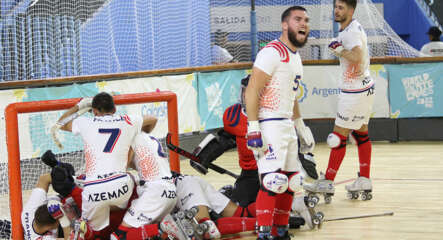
[148, 216]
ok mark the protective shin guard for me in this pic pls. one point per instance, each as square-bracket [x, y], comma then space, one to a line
[232, 225]
[364, 152]
[248, 211]
[140, 233]
[336, 157]
[265, 208]
[283, 205]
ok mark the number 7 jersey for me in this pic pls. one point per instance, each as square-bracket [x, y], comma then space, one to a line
[107, 140]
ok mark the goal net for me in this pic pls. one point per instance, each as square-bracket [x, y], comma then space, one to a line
[46, 39]
[28, 127]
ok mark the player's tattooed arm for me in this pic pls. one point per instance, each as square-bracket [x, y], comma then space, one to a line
[149, 123]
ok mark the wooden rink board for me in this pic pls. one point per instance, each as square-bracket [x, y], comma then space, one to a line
[407, 179]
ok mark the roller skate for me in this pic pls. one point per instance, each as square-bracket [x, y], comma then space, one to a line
[191, 228]
[302, 205]
[321, 186]
[264, 233]
[362, 187]
[174, 229]
[282, 233]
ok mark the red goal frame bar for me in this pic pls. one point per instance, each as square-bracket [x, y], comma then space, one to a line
[12, 139]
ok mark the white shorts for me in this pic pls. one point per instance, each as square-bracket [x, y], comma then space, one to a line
[282, 152]
[193, 191]
[155, 200]
[354, 109]
[100, 195]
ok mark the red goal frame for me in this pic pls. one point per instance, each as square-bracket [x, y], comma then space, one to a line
[12, 139]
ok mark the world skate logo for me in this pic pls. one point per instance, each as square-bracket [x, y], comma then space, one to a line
[420, 88]
[269, 153]
[302, 92]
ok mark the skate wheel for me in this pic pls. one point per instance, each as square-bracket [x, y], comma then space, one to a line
[189, 232]
[349, 195]
[328, 199]
[364, 196]
[180, 215]
[311, 203]
[316, 221]
[369, 196]
[315, 199]
[189, 215]
[320, 215]
[355, 195]
[204, 226]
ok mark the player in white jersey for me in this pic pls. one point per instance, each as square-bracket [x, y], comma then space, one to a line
[107, 138]
[354, 103]
[156, 194]
[37, 221]
[273, 111]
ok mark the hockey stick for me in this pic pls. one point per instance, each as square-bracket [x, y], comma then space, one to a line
[58, 125]
[360, 216]
[194, 159]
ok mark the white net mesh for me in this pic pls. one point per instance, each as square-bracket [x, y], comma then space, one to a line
[230, 22]
[45, 39]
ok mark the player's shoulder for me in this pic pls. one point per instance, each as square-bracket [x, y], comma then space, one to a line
[232, 115]
[355, 26]
[277, 49]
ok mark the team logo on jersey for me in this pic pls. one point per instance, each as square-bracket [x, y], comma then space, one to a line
[302, 92]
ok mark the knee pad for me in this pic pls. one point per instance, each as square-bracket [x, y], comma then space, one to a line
[334, 141]
[360, 138]
[295, 182]
[275, 182]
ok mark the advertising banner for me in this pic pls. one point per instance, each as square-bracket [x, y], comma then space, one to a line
[415, 90]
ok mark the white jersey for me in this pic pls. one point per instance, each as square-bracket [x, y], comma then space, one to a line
[107, 140]
[149, 159]
[355, 78]
[432, 49]
[37, 198]
[285, 67]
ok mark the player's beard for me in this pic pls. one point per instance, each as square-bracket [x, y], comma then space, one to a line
[292, 36]
[340, 19]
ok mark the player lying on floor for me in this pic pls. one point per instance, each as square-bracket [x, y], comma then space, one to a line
[193, 191]
[41, 213]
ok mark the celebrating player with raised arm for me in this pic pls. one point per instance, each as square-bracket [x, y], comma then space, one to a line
[273, 111]
[354, 104]
[107, 138]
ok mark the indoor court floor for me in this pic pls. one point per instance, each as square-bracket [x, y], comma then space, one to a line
[407, 180]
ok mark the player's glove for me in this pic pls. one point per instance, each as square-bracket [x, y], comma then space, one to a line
[84, 103]
[254, 138]
[307, 142]
[336, 48]
[55, 208]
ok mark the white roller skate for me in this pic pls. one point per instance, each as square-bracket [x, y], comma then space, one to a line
[362, 187]
[190, 226]
[321, 186]
[302, 205]
[174, 230]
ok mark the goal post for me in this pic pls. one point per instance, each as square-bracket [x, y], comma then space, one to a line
[13, 110]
